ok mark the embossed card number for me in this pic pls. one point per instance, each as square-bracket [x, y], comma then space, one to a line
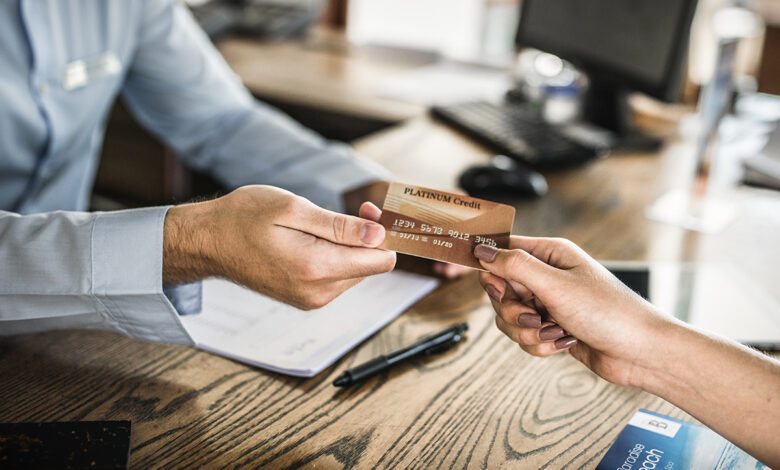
[442, 226]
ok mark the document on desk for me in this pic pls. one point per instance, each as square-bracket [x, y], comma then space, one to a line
[446, 83]
[249, 327]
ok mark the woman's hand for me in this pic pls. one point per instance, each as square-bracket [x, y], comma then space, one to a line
[550, 297]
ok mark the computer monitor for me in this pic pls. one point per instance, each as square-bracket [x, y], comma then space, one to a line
[621, 45]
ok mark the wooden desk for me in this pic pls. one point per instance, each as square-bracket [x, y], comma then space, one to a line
[324, 72]
[484, 404]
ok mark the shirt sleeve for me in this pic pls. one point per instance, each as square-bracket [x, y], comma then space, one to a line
[179, 87]
[99, 270]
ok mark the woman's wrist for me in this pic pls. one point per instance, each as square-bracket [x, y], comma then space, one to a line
[674, 368]
[663, 345]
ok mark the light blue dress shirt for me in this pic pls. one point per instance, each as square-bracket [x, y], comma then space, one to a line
[62, 64]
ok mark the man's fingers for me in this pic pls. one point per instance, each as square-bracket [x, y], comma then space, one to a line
[335, 262]
[329, 291]
[370, 212]
[312, 296]
[448, 270]
[332, 226]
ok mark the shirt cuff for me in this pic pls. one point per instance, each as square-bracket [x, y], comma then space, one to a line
[186, 298]
[127, 259]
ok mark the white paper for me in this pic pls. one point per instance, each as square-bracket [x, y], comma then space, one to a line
[446, 83]
[451, 27]
[656, 424]
[252, 328]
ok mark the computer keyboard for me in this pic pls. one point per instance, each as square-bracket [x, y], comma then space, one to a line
[515, 131]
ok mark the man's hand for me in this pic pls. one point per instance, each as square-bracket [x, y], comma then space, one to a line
[275, 243]
[374, 193]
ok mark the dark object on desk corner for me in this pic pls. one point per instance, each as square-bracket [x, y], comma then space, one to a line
[502, 177]
[763, 168]
[77, 444]
[638, 280]
[428, 345]
[261, 19]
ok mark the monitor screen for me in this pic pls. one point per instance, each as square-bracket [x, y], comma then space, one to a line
[706, 295]
[639, 42]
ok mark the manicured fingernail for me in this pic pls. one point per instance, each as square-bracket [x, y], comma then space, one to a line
[486, 253]
[549, 333]
[529, 320]
[371, 234]
[565, 342]
[494, 293]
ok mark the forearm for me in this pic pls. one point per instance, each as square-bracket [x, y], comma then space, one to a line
[188, 247]
[180, 88]
[728, 387]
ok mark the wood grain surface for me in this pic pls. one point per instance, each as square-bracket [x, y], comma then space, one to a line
[484, 404]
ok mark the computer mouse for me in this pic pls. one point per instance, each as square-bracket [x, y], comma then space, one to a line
[502, 177]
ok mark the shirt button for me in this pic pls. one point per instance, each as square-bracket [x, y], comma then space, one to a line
[43, 88]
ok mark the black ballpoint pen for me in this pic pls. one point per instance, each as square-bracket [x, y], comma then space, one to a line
[428, 345]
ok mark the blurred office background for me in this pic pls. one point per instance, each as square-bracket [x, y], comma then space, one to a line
[467, 47]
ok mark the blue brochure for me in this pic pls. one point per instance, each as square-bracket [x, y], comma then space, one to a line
[651, 441]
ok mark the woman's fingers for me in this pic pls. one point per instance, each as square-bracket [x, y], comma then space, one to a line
[543, 349]
[544, 340]
[518, 266]
[505, 289]
[519, 314]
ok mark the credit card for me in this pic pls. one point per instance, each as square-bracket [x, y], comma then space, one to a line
[443, 226]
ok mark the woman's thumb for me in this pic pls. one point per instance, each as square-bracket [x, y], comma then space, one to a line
[517, 265]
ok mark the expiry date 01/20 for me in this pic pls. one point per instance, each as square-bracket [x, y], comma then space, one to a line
[421, 238]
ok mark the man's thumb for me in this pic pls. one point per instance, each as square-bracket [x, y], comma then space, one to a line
[339, 228]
